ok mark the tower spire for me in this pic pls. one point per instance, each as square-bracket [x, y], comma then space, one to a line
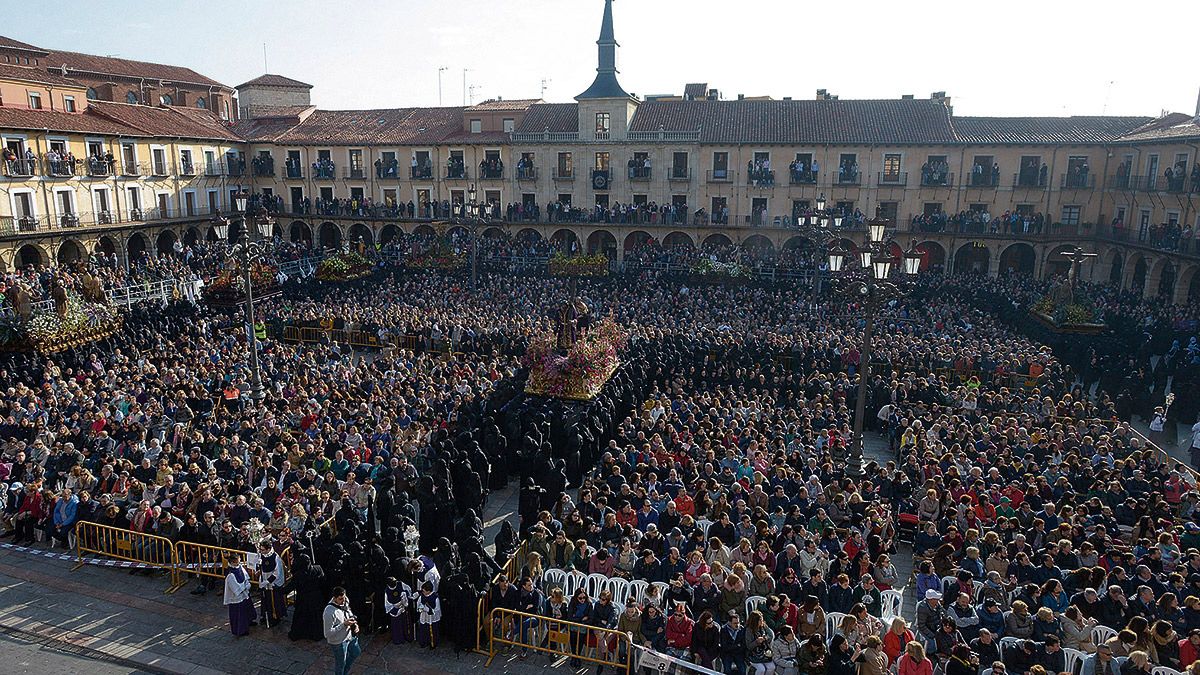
[605, 84]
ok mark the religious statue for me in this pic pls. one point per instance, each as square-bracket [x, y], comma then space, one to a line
[92, 289]
[59, 293]
[18, 298]
[573, 319]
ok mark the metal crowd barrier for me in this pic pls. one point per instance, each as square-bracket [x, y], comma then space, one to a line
[144, 550]
[204, 560]
[354, 338]
[601, 646]
[483, 608]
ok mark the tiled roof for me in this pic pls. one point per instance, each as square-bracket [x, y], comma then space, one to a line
[499, 104]
[695, 90]
[109, 65]
[270, 80]
[84, 123]
[556, 117]
[150, 121]
[406, 126]
[264, 129]
[9, 43]
[1043, 130]
[894, 122]
[39, 75]
[1167, 128]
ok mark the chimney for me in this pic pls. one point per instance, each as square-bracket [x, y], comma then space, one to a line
[941, 97]
[822, 94]
[1198, 107]
[741, 97]
[906, 97]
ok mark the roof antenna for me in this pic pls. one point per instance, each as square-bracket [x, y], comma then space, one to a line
[265, 71]
[545, 81]
[473, 88]
[1107, 93]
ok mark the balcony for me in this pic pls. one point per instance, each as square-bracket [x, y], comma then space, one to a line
[99, 167]
[59, 167]
[1078, 181]
[719, 176]
[601, 179]
[355, 173]
[187, 168]
[159, 169]
[213, 169]
[422, 173]
[680, 174]
[1030, 179]
[986, 179]
[936, 179]
[762, 178]
[527, 173]
[457, 173]
[293, 172]
[491, 173]
[806, 177]
[236, 166]
[387, 170]
[892, 179]
[133, 169]
[264, 167]
[20, 168]
[640, 174]
[563, 174]
[849, 177]
[324, 170]
[1178, 183]
[1151, 183]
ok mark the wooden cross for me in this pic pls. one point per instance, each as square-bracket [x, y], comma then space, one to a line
[1076, 257]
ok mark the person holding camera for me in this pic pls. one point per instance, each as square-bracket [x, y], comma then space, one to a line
[341, 631]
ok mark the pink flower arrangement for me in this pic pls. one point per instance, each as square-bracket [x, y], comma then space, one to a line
[583, 371]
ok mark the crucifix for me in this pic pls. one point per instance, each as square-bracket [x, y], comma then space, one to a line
[1077, 256]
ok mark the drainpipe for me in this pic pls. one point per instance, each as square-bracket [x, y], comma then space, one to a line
[958, 189]
[116, 184]
[42, 183]
[1108, 155]
[1050, 180]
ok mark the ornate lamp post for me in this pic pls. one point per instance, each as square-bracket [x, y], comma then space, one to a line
[820, 229]
[874, 257]
[252, 249]
[473, 219]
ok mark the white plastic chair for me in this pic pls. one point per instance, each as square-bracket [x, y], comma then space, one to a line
[1165, 670]
[554, 578]
[596, 582]
[638, 588]
[832, 621]
[893, 603]
[754, 602]
[1101, 634]
[1074, 657]
[575, 581]
[619, 588]
[946, 583]
[663, 587]
[703, 524]
[1006, 644]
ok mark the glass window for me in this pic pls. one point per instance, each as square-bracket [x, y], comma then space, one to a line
[131, 97]
[201, 103]
[602, 122]
[92, 94]
[1070, 215]
[35, 101]
[476, 126]
[166, 99]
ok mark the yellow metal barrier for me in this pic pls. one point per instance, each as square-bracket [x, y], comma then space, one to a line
[483, 608]
[601, 646]
[147, 550]
[203, 560]
[354, 338]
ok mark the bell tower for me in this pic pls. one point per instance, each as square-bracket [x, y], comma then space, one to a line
[605, 109]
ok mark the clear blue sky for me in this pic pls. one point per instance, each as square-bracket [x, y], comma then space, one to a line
[1017, 57]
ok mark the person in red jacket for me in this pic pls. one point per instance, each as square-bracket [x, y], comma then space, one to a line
[1189, 647]
[27, 516]
[679, 632]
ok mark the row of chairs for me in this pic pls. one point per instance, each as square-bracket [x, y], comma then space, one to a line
[594, 584]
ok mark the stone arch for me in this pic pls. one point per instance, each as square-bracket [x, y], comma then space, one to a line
[389, 233]
[759, 242]
[602, 241]
[1192, 288]
[329, 235]
[1018, 258]
[565, 239]
[1116, 266]
[637, 238]
[425, 230]
[106, 245]
[494, 233]
[165, 243]
[3, 265]
[135, 246]
[798, 242]
[360, 230]
[933, 255]
[1162, 279]
[300, 232]
[1137, 273]
[458, 232]
[1055, 264]
[679, 239]
[528, 235]
[30, 255]
[191, 236]
[973, 257]
[717, 239]
[70, 251]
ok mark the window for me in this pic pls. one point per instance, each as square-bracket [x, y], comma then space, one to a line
[566, 168]
[476, 126]
[69, 103]
[201, 103]
[185, 163]
[602, 161]
[679, 165]
[891, 168]
[35, 101]
[166, 99]
[602, 122]
[509, 126]
[720, 165]
[92, 95]
[131, 97]
[1070, 215]
[158, 156]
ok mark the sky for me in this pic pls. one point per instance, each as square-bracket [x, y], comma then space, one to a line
[1006, 58]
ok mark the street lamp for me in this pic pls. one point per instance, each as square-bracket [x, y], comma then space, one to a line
[252, 249]
[473, 220]
[873, 287]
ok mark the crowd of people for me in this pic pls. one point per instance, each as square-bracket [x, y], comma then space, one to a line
[715, 483]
